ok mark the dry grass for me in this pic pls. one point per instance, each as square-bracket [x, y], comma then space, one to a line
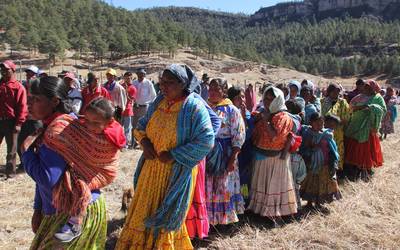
[368, 216]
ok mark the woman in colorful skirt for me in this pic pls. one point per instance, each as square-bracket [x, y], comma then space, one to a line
[176, 134]
[362, 145]
[47, 168]
[237, 96]
[391, 114]
[333, 104]
[320, 154]
[224, 200]
[272, 190]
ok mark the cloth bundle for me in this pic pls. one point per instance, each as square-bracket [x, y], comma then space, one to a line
[92, 161]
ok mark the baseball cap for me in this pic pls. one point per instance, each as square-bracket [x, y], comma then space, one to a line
[8, 64]
[32, 68]
[70, 75]
[141, 70]
[111, 72]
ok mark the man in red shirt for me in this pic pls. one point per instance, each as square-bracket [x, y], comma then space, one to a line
[13, 112]
[92, 91]
[127, 115]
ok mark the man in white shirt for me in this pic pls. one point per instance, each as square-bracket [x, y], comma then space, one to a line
[145, 94]
[117, 93]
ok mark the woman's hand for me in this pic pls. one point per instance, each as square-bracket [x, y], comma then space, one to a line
[165, 157]
[148, 149]
[231, 163]
[36, 220]
[232, 159]
[30, 140]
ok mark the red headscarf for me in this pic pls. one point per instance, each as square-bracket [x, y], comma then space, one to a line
[374, 85]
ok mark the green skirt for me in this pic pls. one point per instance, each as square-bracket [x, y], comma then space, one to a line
[94, 230]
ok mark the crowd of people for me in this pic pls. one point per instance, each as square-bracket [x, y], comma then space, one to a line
[210, 151]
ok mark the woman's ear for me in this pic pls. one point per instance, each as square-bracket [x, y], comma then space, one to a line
[55, 102]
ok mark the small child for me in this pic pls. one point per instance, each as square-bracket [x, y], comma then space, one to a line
[98, 120]
[320, 153]
[331, 122]
[297, 164]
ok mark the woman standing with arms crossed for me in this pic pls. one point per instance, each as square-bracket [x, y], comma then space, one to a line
[176, 134]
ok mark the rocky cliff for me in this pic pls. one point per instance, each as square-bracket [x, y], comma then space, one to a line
[290, 11]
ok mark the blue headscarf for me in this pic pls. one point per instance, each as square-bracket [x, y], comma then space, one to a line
[185, 75]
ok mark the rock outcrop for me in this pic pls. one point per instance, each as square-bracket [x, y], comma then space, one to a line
[290, 11]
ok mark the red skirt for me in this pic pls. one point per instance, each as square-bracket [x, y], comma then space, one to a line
[364, 155]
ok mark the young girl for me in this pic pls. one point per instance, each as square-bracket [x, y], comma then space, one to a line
[297, 164]
[98, 122]
[320, 153]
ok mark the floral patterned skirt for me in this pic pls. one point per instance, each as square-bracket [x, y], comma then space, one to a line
[224, 200]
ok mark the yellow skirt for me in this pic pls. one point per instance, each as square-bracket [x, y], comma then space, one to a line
[149, 194]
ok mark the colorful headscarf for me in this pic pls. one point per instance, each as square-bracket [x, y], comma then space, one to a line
[374, 85]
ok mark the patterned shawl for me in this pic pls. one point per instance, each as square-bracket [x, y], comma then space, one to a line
[195, 138]
[362, 121]
[283, 125]
[92, 163]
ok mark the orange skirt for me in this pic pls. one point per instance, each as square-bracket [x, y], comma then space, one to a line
[364, 155]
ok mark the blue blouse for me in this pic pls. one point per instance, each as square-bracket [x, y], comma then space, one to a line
[46, 167]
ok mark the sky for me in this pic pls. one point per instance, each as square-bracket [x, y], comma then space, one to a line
[234, 6]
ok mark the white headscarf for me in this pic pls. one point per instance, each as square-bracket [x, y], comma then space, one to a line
[278, 104]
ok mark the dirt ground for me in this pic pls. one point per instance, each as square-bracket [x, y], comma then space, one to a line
[367, 217]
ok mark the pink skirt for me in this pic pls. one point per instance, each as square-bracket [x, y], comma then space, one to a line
[197, 218]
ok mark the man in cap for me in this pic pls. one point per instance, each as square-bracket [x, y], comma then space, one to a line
[92, 91]
[117, 93]
[13, 112]
[204, 86]
[74, 93]
[30, 74]
[145, 94]
[42, 73]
